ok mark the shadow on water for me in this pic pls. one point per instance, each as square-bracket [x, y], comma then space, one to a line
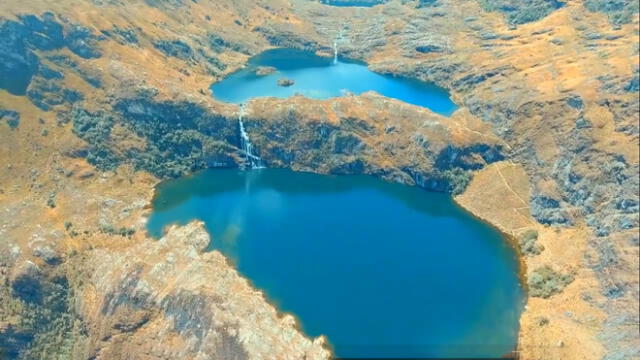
[207, 183]
[353, 3]
[294, 59]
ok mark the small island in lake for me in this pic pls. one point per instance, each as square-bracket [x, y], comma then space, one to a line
[285, 82]
[265, 70]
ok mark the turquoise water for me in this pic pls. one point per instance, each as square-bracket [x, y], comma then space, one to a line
[381, 269]
[320, 78]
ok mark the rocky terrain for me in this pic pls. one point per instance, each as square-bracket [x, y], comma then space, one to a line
[101, 99]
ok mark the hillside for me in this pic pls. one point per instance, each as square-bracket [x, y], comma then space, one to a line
[102, 99]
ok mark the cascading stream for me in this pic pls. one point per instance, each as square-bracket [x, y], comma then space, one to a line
[254, 161]
[339, 37]
[335, 47]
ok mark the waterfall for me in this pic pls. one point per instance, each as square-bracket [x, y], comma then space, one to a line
[253, 160]
[339, 37]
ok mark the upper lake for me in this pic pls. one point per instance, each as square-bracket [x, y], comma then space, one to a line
[381, 269]
[322, 78]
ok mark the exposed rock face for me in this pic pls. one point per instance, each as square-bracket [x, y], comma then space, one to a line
[404, 143]
[521, 12]
[207, 311]
[45, 33]
[285, 82]
[11, 117]
[328, 137]
[265, 70]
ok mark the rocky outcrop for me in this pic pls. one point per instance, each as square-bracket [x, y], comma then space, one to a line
[265, 70]
[82, 42]
[181, 50]
[46, 93]
[284, 82]
[123, 36]
[334, 137]
[38, 301]
[619, 12]
[183, 137]
[11, 117]
[521, 12]
[175, 48]
[20, 64]
[209, 311]
[180, 137]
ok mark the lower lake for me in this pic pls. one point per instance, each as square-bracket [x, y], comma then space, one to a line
[381, 269]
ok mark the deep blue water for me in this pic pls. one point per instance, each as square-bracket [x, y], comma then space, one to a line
[381, 269]
[320, 78]
[353, 3]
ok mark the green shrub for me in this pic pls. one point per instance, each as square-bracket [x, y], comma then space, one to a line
[545, 282]
[180, 137]
[529, 245]
[542, 321]
[522, 11]
[92, 127]
[95, 128]
[51, 200]
[102, 158]
[619, 11]
[123, 231]
[457, 178]
[174, 48]
[45, 330]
